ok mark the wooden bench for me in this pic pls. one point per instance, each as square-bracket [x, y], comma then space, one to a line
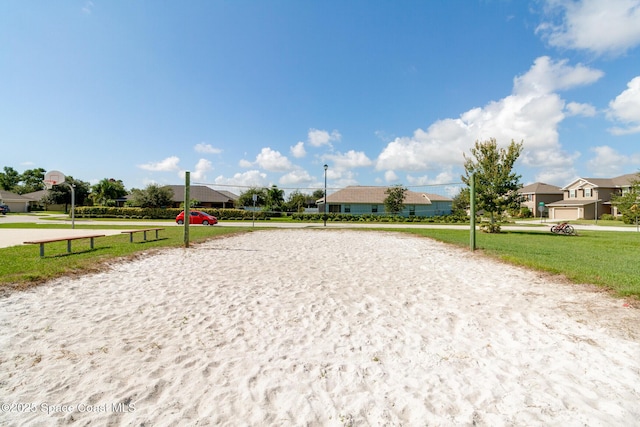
[143, 231]
[62, 239]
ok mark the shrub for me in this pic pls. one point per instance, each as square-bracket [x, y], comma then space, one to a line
[487, 227]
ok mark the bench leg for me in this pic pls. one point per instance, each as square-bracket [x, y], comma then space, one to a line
[91, 243]
[145, 235]
[41, 249]
[156, 234]
[68, 246]
[130, 237]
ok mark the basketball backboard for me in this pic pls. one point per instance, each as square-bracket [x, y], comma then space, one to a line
[52, 178]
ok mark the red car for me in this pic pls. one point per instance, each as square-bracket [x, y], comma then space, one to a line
[197, 217]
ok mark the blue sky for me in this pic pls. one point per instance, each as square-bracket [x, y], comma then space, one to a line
[254, 93]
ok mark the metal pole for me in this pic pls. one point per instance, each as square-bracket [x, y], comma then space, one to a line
[324, 205]
[472, 209]
[73, 205]
[187, 204]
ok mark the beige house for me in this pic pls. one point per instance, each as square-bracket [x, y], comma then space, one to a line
[361, 200]
[589, 198]
[537, 193]
[16, 202]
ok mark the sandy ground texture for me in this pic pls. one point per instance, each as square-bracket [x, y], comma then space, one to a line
[318, 327]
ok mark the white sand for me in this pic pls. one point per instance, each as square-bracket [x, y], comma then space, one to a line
[318, 327]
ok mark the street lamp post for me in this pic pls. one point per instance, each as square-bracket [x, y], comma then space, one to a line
[324, 207]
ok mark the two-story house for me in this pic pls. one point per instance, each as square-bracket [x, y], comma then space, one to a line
[539, 192]
[589, 198]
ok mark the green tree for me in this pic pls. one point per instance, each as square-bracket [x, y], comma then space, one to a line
[317, 195]
[61, 194]
[105, 192]
[496, 183]
[275, 199]
[629, 203]
[153, 196]
[394, 202]
[9, 179]
[31, 180]
[246, 198]
[297, 201]
[461, 202]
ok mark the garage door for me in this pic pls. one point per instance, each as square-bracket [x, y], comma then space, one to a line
[565, 213]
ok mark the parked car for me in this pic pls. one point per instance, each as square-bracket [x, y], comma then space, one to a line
[197, 217]
[4, 209]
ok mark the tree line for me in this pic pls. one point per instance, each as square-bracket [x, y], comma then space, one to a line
[104, 193]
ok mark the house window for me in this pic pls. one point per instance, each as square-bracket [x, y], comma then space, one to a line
[587, 192]
[529, 197]
[572, 194]
[374, 208]
[412, 210]
[347, 208]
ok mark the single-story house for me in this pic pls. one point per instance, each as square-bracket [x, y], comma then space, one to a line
[16, 202]
[537, 193]
[360, 200]
[206, 197]
[36, 203]
[590, 198]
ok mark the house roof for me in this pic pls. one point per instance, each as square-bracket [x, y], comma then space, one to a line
[364, 194]
[228, 194]
[540, 188]
[36, 195]
[8, 196]
[202, 193]
[617, 182]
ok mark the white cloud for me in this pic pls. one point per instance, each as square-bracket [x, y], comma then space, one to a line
[608, 162]
[390, 176]
[245, 163]
[626, 109]
[546, 76]
[578, 109]
[252, 178]
[298, 150]
[206, 148]
[444, 177]
[531, 114]
[318, 138]
[202, 167]
[603, 27]
[349, 160]
[296, 178]
[167, 165]
[273, 161]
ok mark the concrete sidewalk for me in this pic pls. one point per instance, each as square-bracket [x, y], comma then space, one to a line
[17, 236]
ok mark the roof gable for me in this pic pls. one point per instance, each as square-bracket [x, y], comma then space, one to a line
[617, 182]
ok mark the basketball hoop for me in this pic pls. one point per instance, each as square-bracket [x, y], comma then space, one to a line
[52, 178]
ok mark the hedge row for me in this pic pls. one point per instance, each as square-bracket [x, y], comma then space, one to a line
[378, 218]
[162, 213]
[243, 215]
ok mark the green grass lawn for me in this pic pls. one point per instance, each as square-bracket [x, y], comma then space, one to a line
[605, 258]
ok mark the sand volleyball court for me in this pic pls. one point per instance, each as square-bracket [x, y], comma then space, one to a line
[317, 327]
